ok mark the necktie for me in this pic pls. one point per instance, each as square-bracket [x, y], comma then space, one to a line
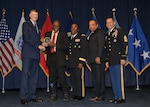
[53, 41]
[36, 27]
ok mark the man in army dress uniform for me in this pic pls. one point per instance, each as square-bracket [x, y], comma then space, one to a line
[76, 61]
[116, 51]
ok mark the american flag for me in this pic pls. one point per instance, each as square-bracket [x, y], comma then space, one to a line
[6, 49]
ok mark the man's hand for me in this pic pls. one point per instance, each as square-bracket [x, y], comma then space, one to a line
[97, 60]
[45, 44]
[41, 47]
[80, 65]
[106, 66]
[122, 62]
[51, 44]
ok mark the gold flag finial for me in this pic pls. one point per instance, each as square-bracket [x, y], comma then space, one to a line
[135, 11]
[3, 12]
[22, 12]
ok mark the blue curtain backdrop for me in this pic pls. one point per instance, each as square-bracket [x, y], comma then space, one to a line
[81, 10]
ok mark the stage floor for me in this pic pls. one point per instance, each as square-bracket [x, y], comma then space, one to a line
[133, 99]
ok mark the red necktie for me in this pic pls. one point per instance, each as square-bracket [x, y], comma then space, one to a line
[53, 41]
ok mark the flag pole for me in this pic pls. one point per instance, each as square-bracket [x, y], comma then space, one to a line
[137, 76]
[48, 89]
[70, 13]
[3, 88]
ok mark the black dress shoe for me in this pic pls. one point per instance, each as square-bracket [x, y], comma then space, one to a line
[75, 97]
[66, 98]
[118, 101]
[37, 100]
[123, 100]
[80, 98]
[112, 100]
[24, 102]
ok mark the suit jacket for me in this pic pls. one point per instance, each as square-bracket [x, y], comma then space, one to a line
[62, 45]
[77, 51]
[116, 46]
[96, 43]
[31, 41]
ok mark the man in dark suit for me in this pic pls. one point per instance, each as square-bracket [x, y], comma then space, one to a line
[96, 59]
[30, 59]
[56, 60]
[76, 62]
[116, 52]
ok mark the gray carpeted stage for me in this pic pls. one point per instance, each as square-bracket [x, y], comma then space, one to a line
[133, 99]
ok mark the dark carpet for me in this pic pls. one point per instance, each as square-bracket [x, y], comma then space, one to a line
[133, 99]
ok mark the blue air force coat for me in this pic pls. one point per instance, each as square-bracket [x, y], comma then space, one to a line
[31, 41]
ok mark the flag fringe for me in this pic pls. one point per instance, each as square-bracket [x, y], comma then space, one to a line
[19, 67]
[139, 73]
[4, 75]
[44, 70]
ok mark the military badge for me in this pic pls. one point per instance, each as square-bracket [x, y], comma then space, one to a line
[115, 33]
[77, 40]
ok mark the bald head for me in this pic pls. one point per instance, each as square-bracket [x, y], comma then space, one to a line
[56, 25]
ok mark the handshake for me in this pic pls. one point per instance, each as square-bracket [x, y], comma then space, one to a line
[45, 44]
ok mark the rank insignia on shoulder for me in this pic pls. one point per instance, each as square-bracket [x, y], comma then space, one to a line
[125, 38]
[83, 34]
